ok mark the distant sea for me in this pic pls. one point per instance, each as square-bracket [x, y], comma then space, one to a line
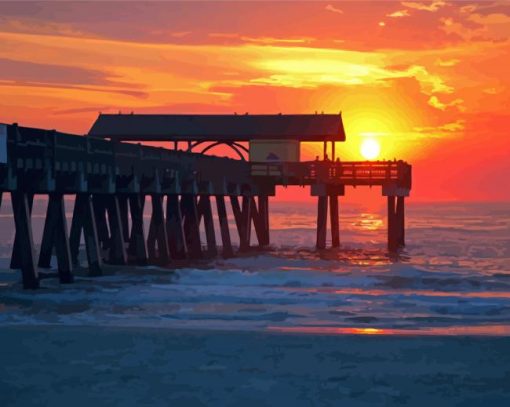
[288, 325]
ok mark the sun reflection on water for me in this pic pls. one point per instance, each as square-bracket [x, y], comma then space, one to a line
[342, 257]
[477, 330]
[369, 222]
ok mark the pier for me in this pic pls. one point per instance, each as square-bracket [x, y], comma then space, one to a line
[112, 179]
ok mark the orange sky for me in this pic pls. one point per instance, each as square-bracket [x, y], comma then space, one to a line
[429, 80]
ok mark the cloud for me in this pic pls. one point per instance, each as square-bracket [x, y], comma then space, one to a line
[447, 62]
[446, 130]
[223, 35]
[180, 34]
[266, 40]
[24, 71]
[493, 91]
[433, 7]
[398, 13]
[52, 89]
[79, 110]
[333, 9]
[308, 67]
[429, 82]
[494, 27]
[272, 40]
[468, 9]
[32, 25]
[436, 103]
[490, 19]
[169, 71]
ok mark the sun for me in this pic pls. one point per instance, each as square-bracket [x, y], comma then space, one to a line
[370, 149]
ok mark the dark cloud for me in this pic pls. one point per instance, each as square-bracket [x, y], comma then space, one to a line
[56, 76]
[164, 22]
[46, 73]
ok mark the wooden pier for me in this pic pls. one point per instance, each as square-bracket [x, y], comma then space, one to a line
[112, 181]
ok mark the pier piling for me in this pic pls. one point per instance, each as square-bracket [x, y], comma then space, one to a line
[224, 230]
[55, 238]
[205, 213]
[117, 253]
[60, 237]
[191, 225]
[17, 247]
[400, 213]
[157, 239]
[322, 219]
[137, 247]
[175, 230]
[246, 219]
[264, 219]
[335, 226]
[103, 234]
[84, 219]
[26, 252]
[396, 225]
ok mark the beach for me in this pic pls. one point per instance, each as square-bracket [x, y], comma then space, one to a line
[83, 366]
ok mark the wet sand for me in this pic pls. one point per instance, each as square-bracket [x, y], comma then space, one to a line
[84, 366]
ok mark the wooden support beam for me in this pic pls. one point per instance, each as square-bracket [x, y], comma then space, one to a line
[117, 254]
[225, 232]
[236, 210]
[335, 227]
[79, 211]
[16, 249]
[47, 245]
[400, 214]
[205, 212]
[322, 221]
[60, 237]
[124, 216]
[258, 218]
[100, 205]
[92, 247]
[157, 240]
[55, 236]
[26, 252]
[84, 219]
[264, 213]
[174, 226]
[245, 232]
[191, 226]
[392, 226]
[137, 244]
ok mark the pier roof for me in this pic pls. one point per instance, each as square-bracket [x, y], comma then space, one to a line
[216, 127]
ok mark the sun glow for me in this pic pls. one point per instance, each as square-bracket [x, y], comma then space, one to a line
[370, 149]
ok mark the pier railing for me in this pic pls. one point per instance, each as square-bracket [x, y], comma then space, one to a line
[345, 173]
[42, 161]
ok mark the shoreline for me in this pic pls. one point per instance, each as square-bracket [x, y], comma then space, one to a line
[467, 331]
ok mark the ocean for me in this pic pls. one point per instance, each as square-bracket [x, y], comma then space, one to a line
[452, 278]
[451, 282]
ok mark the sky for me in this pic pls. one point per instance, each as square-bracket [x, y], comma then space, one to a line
[428, 80]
